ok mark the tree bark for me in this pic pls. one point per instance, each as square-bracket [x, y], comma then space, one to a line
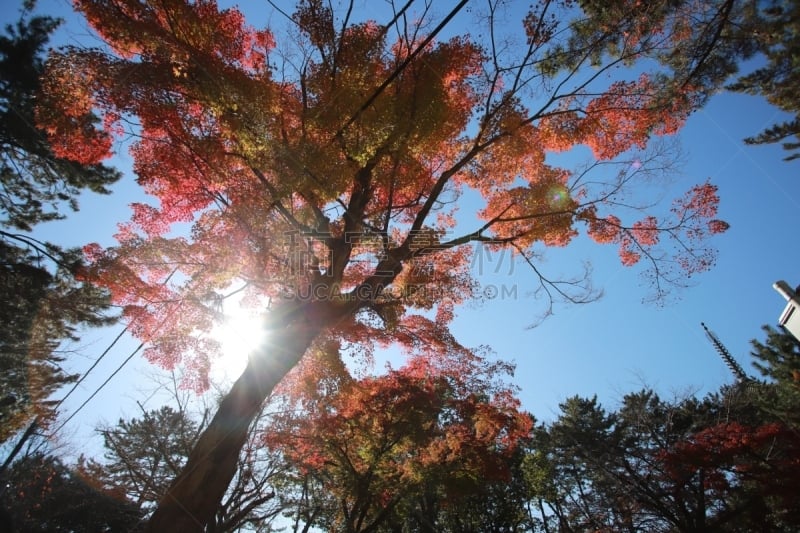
[195, 494]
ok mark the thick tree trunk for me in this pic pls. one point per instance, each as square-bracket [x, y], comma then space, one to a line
[196, 493]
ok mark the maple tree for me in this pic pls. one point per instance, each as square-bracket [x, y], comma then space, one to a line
[753, 467]
[322, 177]
[378, 447]
[498, 505]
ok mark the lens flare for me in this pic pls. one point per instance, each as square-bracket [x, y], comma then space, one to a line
[241, 332]
[558, 195]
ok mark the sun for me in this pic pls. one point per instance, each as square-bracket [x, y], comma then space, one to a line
[241, 332]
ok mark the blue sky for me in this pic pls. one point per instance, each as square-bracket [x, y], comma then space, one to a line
[609, 347]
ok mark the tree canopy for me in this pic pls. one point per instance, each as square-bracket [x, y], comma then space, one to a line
[322, 170]
[44, 302]
[726, 462]
[42, 494]
[143, 455]
[775, 28]
[430, 446]
[376, 449]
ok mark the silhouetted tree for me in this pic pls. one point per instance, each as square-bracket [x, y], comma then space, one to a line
[44, 495]
[43, 300]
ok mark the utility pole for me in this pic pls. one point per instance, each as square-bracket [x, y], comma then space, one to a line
[25, 436]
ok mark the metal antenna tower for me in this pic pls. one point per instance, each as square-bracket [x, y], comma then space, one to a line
[737, 370]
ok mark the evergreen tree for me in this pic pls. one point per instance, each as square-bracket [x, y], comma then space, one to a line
[41, 494]
[44, 302]
[776, 32]
[142, 455]
[778, 360]
[725, 463]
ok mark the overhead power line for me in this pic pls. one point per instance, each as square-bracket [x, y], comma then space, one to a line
[98, 389]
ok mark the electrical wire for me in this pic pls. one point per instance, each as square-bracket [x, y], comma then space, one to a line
[94, 365]
[98, 389]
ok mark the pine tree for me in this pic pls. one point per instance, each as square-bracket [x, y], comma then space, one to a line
[142, 456]
[43, 301]
[776, 31]
[42, 494]
[778, 360]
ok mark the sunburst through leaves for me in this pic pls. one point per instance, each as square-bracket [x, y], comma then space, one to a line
[240, 331]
